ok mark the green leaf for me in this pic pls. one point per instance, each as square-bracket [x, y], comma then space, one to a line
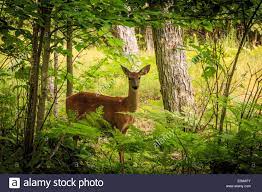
[209, 71]
[7, 139]
[80, 46]
[22, 73]
[115, 42]
[208, 26]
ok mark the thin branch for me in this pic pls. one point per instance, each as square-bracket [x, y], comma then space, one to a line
[230, 76]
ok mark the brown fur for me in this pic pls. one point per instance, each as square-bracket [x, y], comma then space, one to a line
[84, 103]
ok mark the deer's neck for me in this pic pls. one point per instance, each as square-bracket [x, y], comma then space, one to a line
[132, 99]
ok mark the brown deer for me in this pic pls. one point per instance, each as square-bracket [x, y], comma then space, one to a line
[84, 103]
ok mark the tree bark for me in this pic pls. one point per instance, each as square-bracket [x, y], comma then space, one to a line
[171, 63]
[69, 61]
[51, 88]
[149, 39]
[127, 34]
[37, 41]
[44, 70]
[55, 81]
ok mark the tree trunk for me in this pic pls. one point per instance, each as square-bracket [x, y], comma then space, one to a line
[149, 39]
[44, 70]
[55, 80]
[127, 34]
[37, 41]
[69, 90]
[171, 63]
[51, 88]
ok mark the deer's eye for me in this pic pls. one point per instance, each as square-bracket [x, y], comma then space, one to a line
[129, 78]
[139, 77]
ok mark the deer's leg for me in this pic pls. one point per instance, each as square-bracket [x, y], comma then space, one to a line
[122, 159]
[122, 126]
[121, 151]
[76, 138]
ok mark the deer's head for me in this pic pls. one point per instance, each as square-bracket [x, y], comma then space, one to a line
[134, 77]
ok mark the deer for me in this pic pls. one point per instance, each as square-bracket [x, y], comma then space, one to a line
[114, 108]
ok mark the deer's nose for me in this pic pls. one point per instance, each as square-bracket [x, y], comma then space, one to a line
[135, 87]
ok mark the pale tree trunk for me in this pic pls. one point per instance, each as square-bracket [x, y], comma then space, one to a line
[127, 34]
[51, 88]
[69, 90]
[53, 81]
[44, 73]
[171, 63]
[149, 39]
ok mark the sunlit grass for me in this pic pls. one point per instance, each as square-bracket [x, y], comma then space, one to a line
[114, 83]
[249, 62]
[150, 88]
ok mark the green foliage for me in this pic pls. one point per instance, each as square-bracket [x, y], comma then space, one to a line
[210, 59]
[160, 141]
[7, 104]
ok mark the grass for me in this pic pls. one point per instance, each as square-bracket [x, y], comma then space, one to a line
[249, 62]
[150, 87]
[110, 80]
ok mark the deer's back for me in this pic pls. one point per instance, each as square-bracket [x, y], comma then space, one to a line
[85, 102]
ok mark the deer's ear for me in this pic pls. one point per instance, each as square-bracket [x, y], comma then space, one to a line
[125, 70]
[145, 70]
